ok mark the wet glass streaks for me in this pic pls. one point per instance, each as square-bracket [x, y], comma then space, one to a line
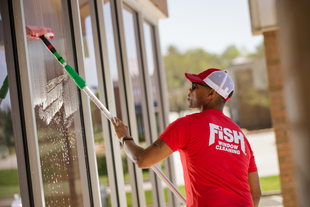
[56, 102]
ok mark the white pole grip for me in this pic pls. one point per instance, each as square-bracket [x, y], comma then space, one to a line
[169, 184]
[98, 103]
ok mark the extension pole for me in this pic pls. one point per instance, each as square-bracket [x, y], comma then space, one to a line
[82, 85]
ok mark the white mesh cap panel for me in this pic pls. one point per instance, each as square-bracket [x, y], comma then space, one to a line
[221, 82]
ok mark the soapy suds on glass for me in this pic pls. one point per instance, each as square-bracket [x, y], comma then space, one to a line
[58, 93]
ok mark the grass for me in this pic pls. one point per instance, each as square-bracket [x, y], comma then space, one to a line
[270, 183]
[103, 179]
[148, 197]
[182, 190]
[9, 184]
[99, 140]
[267, 184]
[9, 177]
[96, 131]
[8, 191]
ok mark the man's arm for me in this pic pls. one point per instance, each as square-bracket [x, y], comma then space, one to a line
[144, 158]
[256, 193]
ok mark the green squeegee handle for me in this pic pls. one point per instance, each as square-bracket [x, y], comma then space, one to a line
[82, 85]
[77, 79]
[5, 88]
[72, 73]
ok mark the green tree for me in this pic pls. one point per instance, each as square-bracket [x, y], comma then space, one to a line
[195, 61]
[259, 96]
[228, 55]
[176, 64]
[259, 52]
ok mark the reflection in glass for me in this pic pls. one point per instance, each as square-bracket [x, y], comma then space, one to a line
[134, 70]
[112, 55]
[92, 81]
[130, 29]
[9, 182]
[115, 79]
[56, 102]
[153, 73]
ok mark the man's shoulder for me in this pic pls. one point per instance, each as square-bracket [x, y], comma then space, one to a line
[183, 119]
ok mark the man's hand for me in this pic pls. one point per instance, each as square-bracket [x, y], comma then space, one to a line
[144, 158]
[121, 129]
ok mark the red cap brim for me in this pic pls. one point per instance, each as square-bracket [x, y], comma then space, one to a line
[193, 78]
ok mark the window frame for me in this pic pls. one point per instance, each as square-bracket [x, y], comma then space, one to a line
[32, 189]
[28, 107]
[18, 123]
[29, 115]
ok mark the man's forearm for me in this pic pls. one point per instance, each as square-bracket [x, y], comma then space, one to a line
[146, 158]
[133, 151]
[253, 180]
[256, 200]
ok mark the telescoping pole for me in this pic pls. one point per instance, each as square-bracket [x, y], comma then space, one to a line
[34, 32]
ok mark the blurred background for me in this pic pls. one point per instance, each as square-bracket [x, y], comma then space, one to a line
[217, 34]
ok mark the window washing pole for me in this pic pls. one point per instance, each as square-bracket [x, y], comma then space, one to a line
[44, 34]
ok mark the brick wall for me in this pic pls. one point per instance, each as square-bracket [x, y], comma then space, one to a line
[278, 113]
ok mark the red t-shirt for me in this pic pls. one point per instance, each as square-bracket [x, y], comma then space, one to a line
[216, 159]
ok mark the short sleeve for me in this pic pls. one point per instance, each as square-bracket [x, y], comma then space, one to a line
[177, 134]
[252, 166]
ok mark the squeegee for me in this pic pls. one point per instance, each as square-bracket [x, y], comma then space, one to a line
[45, 33]
[4, 89]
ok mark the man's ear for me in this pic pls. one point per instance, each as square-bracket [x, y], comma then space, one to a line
[211, 94]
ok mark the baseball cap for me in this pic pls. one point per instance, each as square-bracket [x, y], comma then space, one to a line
[217, 79]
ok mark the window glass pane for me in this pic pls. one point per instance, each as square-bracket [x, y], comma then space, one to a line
[56, 101]
[130, 28]
[152, 69]
[92, 82]
[129, 19]
[115, 79]
[112, 55]
[9, 182]
[153, 72]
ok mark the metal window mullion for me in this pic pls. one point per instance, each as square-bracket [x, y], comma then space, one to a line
[157, 188]
[21, 152]
[29, 116]
[169, 163]
[113, 155]
[89, 138]
[136, 177]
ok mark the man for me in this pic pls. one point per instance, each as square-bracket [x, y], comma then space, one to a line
[218, 163]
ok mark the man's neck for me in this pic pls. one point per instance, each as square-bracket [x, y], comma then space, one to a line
[217, 107]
